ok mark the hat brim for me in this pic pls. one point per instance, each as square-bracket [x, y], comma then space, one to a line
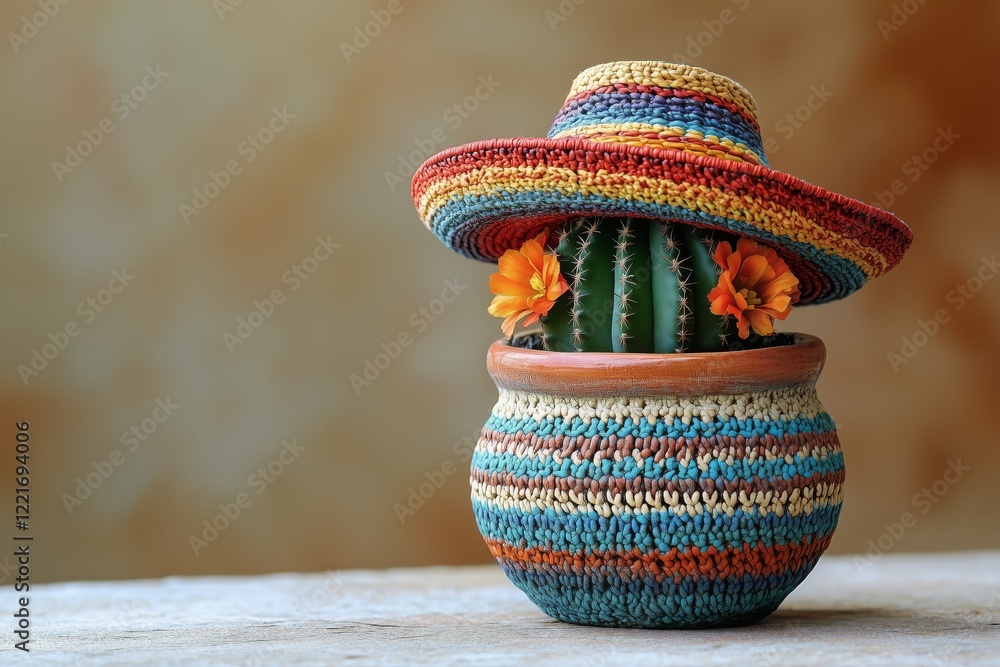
[484, 198]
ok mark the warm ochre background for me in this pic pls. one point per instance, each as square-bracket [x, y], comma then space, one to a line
[880, 93]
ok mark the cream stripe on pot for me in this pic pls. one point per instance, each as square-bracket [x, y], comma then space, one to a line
[775, 405]
[795, 502]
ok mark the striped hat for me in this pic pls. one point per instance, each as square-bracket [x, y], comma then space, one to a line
[658, 141]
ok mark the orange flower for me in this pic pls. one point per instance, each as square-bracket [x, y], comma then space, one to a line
[756, 286]
[527, 284]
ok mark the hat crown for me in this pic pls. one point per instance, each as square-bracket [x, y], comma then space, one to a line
[665, 106]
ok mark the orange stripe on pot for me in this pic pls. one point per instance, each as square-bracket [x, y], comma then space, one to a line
[757, 561]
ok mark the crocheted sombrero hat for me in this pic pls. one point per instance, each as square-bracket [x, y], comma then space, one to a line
[659, 141]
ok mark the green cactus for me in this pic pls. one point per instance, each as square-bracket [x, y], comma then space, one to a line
[636, 286]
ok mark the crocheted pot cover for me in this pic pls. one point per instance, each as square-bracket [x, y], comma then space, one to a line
[662, 511]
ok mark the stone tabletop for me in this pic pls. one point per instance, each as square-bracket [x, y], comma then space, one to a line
[940, 609]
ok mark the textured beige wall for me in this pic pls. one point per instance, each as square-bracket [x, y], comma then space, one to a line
[162, 336]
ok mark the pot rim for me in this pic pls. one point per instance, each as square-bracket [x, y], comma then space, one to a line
[628, 374]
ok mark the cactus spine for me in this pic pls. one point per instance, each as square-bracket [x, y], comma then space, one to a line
[581, 320]
[632, 315]
[671, 278]
[636, 286]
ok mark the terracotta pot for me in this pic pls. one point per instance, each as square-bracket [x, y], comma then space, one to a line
[654, 490]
